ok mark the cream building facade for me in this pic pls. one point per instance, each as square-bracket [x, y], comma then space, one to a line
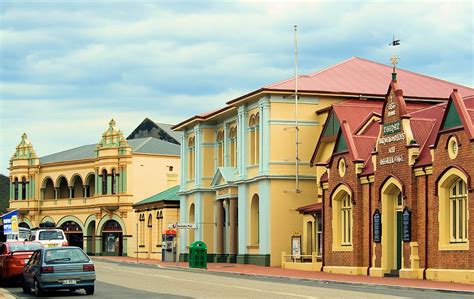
[89, 191]
[240, 184]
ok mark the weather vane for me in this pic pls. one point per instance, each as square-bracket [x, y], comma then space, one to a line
[394, 58]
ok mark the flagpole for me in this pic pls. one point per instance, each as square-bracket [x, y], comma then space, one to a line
[296, 112]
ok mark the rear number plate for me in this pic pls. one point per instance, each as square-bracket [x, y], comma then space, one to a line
[69, 282]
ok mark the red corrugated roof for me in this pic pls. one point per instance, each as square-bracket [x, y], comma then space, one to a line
[360, 76]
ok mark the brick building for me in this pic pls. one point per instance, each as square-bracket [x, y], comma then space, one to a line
[397, 191]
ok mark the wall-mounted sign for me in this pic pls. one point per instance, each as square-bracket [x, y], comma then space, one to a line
[391, 128]
[406, 225]
[182, 226]
[391, 105]
[393, 138]
[10, 222]
[377, 226]
[391, 160]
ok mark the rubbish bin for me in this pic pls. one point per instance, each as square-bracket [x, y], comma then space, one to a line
[198, 255]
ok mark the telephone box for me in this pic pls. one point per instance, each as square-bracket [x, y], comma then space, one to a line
[168, 248]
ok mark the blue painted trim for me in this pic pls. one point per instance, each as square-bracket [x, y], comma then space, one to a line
[183, 218]
[198, 216]
[264, 216]
[264, 136]
[243, 218]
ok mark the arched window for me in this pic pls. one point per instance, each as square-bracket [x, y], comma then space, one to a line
[346, 219]
[23, 188]
[453, 210]
[233, 147]
[191, 155]
[159, 218]
[254, 139]
[16, 188]
[257, 138]
[104, 181]
[458, 211]
[254, 221]
[141, 232]
[114, 181]
[220, 148]
[342, 219]
[150, 221]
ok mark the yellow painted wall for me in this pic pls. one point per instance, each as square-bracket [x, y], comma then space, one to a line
[149, 174]
[283, 206]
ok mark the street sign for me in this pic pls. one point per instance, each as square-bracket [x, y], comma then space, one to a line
[182, 226]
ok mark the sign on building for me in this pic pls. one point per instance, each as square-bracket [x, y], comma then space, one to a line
[377, 226]
[406, 225]
[10, 223]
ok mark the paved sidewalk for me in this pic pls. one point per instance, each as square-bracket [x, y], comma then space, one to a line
[254, 270]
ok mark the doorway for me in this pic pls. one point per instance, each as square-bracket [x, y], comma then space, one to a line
[392, 244]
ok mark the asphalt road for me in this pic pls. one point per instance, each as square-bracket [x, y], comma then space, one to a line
[121, 280]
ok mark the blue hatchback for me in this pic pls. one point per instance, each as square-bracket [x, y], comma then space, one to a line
[59, 268]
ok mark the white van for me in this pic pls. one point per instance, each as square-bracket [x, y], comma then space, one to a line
[23, 235]
[49, 237]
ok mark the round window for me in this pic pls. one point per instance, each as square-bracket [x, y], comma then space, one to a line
[342, 167]
[453, 147]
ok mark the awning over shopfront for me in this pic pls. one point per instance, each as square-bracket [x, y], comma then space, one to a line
[310, 209]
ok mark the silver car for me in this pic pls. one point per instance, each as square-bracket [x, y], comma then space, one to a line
[59, 268]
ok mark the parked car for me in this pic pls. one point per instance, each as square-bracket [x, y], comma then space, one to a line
[49, 237]
[59, 268]
[14, 256]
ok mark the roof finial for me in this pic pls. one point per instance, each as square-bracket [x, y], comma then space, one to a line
[394, 58]
[24, 137]
[394, 62]
[112, 123]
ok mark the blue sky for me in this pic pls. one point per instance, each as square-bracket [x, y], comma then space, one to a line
[67, 67]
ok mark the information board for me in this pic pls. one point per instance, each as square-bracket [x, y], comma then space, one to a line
[406, 225]
[377, 226]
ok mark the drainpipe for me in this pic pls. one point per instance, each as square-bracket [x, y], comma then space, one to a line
[324, 232]
[370, 229]
[426, 225]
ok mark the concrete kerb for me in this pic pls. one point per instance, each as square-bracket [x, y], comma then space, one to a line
[4, 293]
[292, 278]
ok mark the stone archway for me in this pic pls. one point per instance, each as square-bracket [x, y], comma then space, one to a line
[392, 209]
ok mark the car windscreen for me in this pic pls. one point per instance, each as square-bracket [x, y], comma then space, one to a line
[65, 255]
[24, 246]
[51, 235]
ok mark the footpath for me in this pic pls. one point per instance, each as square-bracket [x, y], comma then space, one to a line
[276, 272]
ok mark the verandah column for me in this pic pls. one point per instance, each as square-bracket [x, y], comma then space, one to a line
[220, 225]
[233, 226]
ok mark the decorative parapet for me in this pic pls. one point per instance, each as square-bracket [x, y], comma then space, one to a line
[113, 138]
[24, 151]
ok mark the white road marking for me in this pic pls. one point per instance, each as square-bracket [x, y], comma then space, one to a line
[211, 283]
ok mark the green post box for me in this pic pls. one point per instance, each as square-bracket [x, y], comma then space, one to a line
[198, 255]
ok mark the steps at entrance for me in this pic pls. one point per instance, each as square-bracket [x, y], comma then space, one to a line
[393, 273]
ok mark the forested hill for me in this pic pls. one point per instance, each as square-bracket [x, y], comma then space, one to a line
[4, 181]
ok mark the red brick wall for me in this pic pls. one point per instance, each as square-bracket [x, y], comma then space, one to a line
[461, 259]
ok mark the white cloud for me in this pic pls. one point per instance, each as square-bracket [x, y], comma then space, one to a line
[72, 66]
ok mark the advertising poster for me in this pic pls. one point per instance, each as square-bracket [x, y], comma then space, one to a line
[10, 222]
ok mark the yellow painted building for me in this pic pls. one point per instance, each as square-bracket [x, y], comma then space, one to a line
[89, 191]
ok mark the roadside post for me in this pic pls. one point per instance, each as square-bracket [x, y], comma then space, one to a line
[179, 226]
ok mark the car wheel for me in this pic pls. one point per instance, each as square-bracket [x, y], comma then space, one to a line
[38, 290]
[89, 290]
[24, 286]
